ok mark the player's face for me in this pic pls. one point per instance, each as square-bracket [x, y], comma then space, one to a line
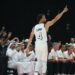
[43, 19]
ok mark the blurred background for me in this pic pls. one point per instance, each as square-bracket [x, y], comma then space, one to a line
[19, 16]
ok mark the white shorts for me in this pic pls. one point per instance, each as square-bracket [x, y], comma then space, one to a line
[41, 51]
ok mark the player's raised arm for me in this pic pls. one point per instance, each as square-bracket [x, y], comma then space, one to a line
[31, 38]
[50, 23]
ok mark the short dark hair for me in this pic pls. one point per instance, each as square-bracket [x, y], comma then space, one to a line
[39, 17]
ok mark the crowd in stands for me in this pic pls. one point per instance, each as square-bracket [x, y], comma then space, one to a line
[24, 62]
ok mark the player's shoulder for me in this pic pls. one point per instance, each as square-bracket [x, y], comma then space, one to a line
[39, 25]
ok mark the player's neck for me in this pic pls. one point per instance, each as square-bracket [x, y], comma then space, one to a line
[41, 22]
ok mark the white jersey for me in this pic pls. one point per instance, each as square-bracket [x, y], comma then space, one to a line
[40, 33]
[41, 49]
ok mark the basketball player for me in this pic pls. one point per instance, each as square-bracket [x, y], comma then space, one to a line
[40, 31]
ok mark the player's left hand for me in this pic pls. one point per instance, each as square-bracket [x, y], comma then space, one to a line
[66, 9]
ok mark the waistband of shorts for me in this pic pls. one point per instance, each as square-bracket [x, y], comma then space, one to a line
[42, 42]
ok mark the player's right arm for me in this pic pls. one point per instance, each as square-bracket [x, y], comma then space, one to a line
[30, 41]
[30, 38]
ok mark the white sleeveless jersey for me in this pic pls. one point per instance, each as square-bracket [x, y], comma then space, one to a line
[40, 33]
